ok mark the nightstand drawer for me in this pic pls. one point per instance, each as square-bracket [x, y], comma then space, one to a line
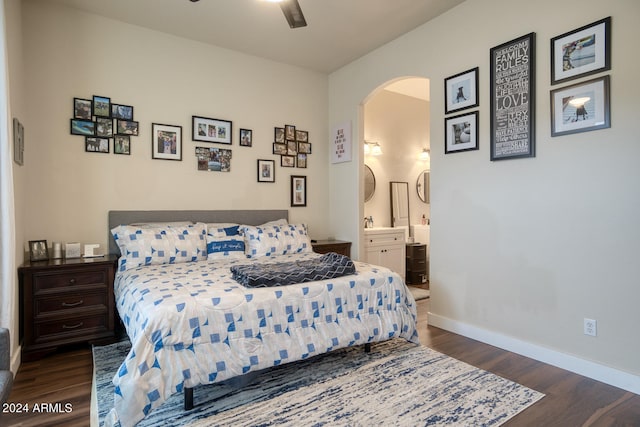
[70, 327]
[69, 301]
[68, 278]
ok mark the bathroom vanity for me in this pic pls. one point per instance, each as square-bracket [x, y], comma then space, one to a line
[385, 246]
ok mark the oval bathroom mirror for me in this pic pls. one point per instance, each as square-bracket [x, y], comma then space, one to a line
[369, 183]
[422, 186]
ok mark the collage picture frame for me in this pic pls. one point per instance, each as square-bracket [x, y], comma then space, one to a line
[298, 190]
[205, 129]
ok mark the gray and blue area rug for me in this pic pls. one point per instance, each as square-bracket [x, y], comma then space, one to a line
[397, 383]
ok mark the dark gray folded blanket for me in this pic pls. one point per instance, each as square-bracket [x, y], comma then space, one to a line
[328, 266]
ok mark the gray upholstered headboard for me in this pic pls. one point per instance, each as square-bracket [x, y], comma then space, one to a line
[249, 217]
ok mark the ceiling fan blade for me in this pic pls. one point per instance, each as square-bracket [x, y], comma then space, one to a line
[293, 13]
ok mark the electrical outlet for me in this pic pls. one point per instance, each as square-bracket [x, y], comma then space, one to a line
[590, 327]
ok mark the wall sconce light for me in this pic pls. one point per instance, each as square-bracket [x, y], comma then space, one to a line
[372, 148]
[424, 155]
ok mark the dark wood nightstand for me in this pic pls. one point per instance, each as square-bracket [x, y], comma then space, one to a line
[66, 301]
[337, 246]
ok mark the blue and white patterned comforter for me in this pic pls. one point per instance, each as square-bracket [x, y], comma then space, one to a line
[192, 324]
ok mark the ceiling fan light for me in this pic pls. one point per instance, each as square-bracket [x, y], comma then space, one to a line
[293, 13]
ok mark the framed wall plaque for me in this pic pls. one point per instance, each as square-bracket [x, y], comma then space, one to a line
[513, 99]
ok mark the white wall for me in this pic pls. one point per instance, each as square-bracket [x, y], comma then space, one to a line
[68, 53]
[400, 123]
[521, 250]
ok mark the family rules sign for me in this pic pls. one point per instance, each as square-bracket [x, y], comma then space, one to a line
[513, 99]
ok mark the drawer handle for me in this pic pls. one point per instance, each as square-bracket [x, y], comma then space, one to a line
[72, 281]
[73, 304]
[73, 326]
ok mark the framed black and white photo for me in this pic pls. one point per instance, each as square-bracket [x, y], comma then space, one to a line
[104, 127]
[122, 112]
[461, 91]
[126, 127]
[211, 130]
[513, 99]
[581, 52]
[166, 141]
[581, 107]
[94, 144]
[122, 144]
[278, 135]
[82, 108]
[246, 137]
[292, 148]
[38, 250]
[266, 170]
[101, 106]
[83, 127]
[461, 133]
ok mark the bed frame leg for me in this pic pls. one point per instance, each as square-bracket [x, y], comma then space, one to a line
[188, 398]
[367, 347]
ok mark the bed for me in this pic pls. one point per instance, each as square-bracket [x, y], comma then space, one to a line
[191, 323]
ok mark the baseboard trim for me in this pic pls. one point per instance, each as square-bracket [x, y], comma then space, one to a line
[589, 369]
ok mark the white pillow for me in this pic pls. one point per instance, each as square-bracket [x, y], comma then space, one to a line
[160, 245]
[273, 240]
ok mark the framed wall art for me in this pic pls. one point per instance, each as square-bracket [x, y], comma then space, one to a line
[18, 142]
[298, 190]
[94, 144]
[211, 130]
[461, 133]
[461, 91]
[104, 127]
[266, 170]
[581, 107]
[246, 137]
[301, 160]
[126, 127]
[290, 132]
[304, 147]
[278, 135]
[83, 127]
[280, 149]
[82, 108]
[122, 112]
[581, 52]
[214, 159]
[122, 144]
[166, 142]
[101, 106]
[513, 99]
[288, 161]
[302, 136]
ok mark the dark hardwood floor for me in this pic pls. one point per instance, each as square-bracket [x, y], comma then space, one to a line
[571, 400]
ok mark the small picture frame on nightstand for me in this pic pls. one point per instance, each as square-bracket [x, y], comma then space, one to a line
[38, 250]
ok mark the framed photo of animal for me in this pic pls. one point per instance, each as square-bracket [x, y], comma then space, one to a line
[581, 52]
[581, 107]
[461, 91]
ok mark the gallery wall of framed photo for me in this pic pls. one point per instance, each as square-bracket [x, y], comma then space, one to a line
[578, 106]
[100, 120]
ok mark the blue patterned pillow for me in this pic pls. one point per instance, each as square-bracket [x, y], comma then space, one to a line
[224, 241]
[274, 240]
[160, 245]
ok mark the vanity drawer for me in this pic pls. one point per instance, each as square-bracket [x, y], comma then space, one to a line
[384, 238]
[49, 306]
[65, 279]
